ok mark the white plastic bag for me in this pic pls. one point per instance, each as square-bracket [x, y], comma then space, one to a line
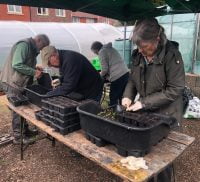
[193, 109]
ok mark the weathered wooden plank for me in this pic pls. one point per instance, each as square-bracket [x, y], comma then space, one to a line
[181, 138]
[160, 156]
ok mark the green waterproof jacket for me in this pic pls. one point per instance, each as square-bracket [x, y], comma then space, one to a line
[159, 84]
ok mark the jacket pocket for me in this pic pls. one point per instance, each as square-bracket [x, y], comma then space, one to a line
[20, 80]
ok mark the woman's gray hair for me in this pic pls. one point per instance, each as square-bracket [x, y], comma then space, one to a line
[148, 30]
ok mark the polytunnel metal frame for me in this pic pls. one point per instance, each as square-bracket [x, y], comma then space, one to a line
[196, 42]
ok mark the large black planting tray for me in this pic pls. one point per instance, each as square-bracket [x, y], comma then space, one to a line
[36, 93]
[130, 137]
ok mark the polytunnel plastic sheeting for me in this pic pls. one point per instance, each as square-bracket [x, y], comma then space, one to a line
[129, 30]
[11, 33]
[92, 32]
[184, 34]
[71, 36]
[177, 18]
[58, 36]
[181, 28]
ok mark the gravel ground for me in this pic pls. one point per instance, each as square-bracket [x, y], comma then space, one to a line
[56, 164]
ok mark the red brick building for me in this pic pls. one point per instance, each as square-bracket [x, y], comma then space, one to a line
[33, 14]
[10, 12]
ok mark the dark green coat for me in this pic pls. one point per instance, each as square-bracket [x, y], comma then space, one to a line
[161, 83]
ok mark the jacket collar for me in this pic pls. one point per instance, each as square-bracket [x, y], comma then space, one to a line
[60, 52]
[159, 55]
[33, 45]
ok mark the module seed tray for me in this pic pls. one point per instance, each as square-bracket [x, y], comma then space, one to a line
[66, 130]
[18, 100]
[61, 104]
[46, 121]
[39, 115]
[66, 123]
[66, 116]
[141, 119]
[45, 103]
[45, 110]
[49, 117]
[127, 137]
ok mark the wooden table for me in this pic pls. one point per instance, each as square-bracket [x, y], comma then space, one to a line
[158, 159]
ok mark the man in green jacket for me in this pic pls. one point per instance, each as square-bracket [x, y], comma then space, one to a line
[157, 75]
[18, 72]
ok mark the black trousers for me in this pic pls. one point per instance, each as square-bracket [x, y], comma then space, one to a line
[117, 88]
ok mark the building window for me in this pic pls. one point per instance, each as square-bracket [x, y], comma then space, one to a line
[91, 20]
[42, 11]
[106, 20]
[60, 12]
[76, 19]
[14, 9]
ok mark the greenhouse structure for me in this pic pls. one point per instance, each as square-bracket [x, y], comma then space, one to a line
[70, 36]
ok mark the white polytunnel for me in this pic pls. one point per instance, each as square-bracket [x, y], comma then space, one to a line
[71, 36]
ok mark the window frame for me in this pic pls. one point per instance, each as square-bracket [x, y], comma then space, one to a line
[77, 18]
[42, 14]
[59, 14]
[14, 9]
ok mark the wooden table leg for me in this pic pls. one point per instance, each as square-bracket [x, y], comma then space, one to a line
[53, 142]
[22, 137]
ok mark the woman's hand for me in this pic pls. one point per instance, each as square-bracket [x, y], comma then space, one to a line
[135, 107]
[126, 102]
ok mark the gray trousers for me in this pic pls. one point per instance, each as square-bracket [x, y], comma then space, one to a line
[16, 119]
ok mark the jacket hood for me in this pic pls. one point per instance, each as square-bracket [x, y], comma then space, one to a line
[175, 44]
[109, 45]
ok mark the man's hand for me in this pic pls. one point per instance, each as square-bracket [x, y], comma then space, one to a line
[55, 83]
[38, 73]
[135, 107]
[39, 67]
[126, 102]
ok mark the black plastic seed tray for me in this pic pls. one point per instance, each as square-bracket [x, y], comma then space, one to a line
[46, 121]
[48, 116]
[61, 104]
[66, 109]
[66, 130]
[53, 104]
[142, 119]
[36, 93]
[18, 100]
[66, 123]
[39, 115]
[129, 139]
[45, 103]
[66, 116]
